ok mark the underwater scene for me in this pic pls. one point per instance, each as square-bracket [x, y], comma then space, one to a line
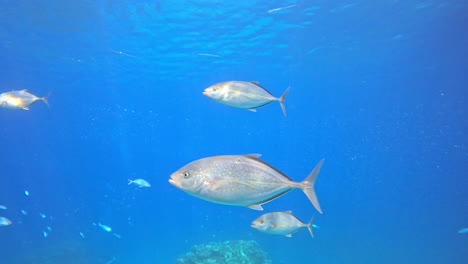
[233, 132]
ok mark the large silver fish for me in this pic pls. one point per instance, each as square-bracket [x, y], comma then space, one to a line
[281, 223]
[242, 180]
[19, 99]
[248, 95]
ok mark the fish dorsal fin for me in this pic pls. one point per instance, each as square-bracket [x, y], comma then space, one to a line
[255, 207]
[289, 212]
[254, 156]
[255, 82]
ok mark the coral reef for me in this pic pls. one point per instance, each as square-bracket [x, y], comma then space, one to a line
[228, 252]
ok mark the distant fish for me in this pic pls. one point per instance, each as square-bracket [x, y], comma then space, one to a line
[2, 207]
[242, 180]
[44, 233]
[208, 55]
[82, 235]
[463, 231]
[139, 182]
[281, 223]
[241, 94]
[110, 261]
[19, 99]
[49, 228]
[5, 221]
[23, 212]
[117, 235]
[42, 215]
[123, 53]
[105, 228]
[280, 8]
[26, 192]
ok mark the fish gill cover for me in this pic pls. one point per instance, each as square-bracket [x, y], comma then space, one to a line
[378, 89]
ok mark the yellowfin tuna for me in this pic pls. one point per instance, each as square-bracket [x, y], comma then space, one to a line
[281, 223]
[242, 180]
[19, 99]
[248, 95]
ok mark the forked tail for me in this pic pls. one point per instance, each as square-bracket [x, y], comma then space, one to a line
[307, 186]
[281, 100]
[309, 226]
[44, 98]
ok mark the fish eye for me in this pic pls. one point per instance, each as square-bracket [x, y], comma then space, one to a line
[186, 175]
[238, 160]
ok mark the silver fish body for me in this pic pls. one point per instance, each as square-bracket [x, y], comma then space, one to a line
[242, 94]
[5, 221]
[21, 99]
[280, 223]
[139, 182]
[242, 180]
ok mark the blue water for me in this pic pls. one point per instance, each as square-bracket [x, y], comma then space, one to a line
[378, 89]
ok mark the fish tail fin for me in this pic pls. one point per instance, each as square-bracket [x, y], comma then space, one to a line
[307, 186]
[44, 98]
[309, 226]
[281, 100]
[129, 181]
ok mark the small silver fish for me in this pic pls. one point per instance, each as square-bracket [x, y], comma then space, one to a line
[21, 99]
[281, 223]
[105, 228]
[463, 231]
[242, 180]
[26, 192]
[42, 215]
[5, 221]
[241, 94]
[139, 182]
[44, 233]
[23, 212]
[2, 207]
[82, 235]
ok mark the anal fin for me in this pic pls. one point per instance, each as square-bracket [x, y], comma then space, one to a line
[255, 207]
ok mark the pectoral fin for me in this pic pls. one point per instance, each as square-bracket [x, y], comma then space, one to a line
[25, 108]
[252, 109]
[288, 235]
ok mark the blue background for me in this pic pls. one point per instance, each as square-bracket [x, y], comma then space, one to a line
[378, 89]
